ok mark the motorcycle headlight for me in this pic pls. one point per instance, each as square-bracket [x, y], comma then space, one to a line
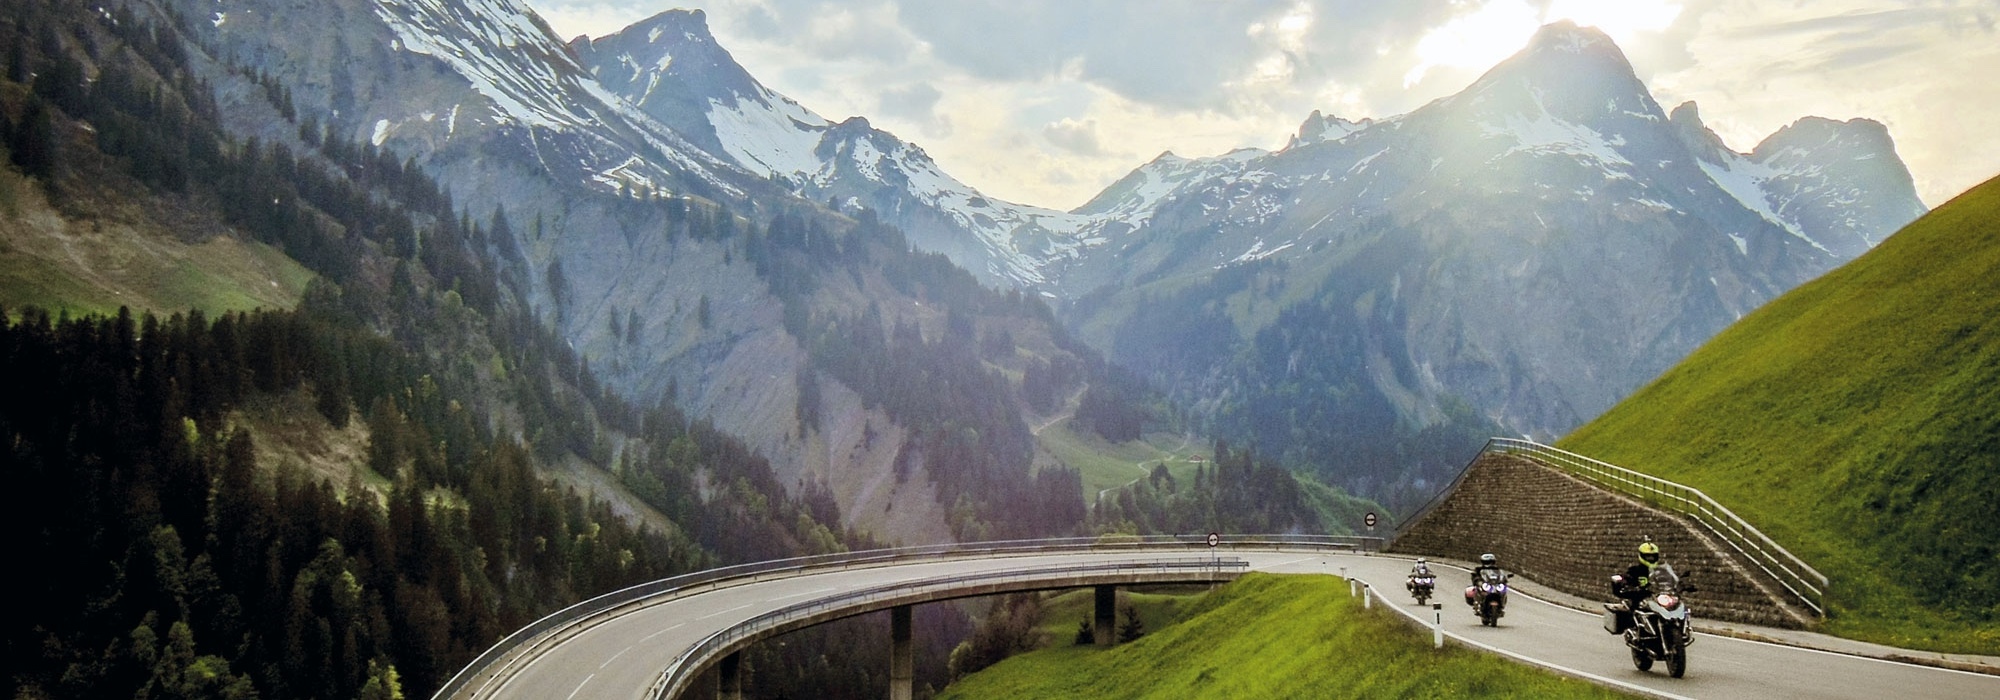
[1666, 601]
[1501, 588]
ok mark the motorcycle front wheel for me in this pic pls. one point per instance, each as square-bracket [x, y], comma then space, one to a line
[1677, 655]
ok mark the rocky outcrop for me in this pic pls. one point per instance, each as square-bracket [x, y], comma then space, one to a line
[1571, 536]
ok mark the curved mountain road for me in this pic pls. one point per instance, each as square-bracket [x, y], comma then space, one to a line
[621, 656]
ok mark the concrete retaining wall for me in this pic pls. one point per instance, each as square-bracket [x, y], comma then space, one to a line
[1571, 536]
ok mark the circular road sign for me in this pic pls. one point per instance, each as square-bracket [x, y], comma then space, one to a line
[1214, 539]
[1369, 519]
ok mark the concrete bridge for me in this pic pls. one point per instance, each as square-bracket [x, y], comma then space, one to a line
[653, 641]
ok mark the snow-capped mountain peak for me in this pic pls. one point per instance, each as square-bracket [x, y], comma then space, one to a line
[671, 68]
[1320, 128]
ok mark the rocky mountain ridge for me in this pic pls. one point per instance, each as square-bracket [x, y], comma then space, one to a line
[1531, 249]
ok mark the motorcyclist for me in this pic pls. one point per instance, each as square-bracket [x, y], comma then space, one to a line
[1421, 570]
[1637, 581]
[1487, 562]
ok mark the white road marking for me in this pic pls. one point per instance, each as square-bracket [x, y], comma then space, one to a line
[723, 612]
[795, 595]
[614, 657]
[650, 637]
[579, 686]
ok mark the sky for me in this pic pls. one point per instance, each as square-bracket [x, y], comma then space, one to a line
[1046, 102]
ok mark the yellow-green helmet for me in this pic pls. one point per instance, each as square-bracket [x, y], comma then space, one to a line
[1649, 554]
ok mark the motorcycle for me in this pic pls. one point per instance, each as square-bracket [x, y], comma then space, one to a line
[1421, 586]
[1488, 597]
[1659, 628]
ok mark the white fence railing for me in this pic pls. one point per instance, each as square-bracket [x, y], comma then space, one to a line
[1806, 584]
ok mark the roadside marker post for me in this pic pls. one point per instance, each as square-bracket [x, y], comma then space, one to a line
[1367, 602]
[1437, 625]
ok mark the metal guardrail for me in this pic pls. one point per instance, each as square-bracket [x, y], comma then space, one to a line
[675, 678]
[1805, 583]
[502, 657]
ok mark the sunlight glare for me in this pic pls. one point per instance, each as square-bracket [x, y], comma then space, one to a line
[1498, 28]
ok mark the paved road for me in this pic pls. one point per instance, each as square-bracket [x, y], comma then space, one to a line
[619, 658]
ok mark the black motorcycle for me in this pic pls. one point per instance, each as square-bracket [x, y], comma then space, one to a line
[1488, 596]
[1421, 586]
[1658, 628]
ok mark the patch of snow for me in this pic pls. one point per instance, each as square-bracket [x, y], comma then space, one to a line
[1742, 244]
[220, 17]
[1546, 134]
[1370, 158]
[768, 136]
[1255, 253]
[381, 132]
[527, 92]
[1744, 180]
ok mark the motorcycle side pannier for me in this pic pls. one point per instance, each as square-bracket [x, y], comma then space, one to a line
[1616, 622]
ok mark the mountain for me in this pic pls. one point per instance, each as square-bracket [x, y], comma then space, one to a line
[1513, 258]
[1856, 420]
[680, 274]
[1517, 257]
[670, 67]
[1435, 234]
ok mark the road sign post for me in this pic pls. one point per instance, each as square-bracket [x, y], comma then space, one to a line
[1437, 625]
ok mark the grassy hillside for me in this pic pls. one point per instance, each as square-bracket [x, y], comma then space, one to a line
[63, 263]
[1857, 421]
[1268, 636]
[1105, 465]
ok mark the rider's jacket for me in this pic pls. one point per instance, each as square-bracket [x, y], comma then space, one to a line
[1638, 580]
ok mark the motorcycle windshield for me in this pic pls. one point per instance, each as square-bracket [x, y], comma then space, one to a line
[1492, 576]
[1665, 580]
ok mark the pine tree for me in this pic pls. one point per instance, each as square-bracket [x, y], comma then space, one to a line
[1132, 628]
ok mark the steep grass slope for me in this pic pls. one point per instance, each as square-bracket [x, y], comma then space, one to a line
[1857, 420]
[1268, 636]
[129, 255]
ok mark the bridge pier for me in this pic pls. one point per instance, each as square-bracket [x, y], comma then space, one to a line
[902, 664]
[729, 677]
[1105, 629]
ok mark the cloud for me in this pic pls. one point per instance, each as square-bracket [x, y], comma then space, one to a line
[1079, 137]
[1001, 90]
[916, 102]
